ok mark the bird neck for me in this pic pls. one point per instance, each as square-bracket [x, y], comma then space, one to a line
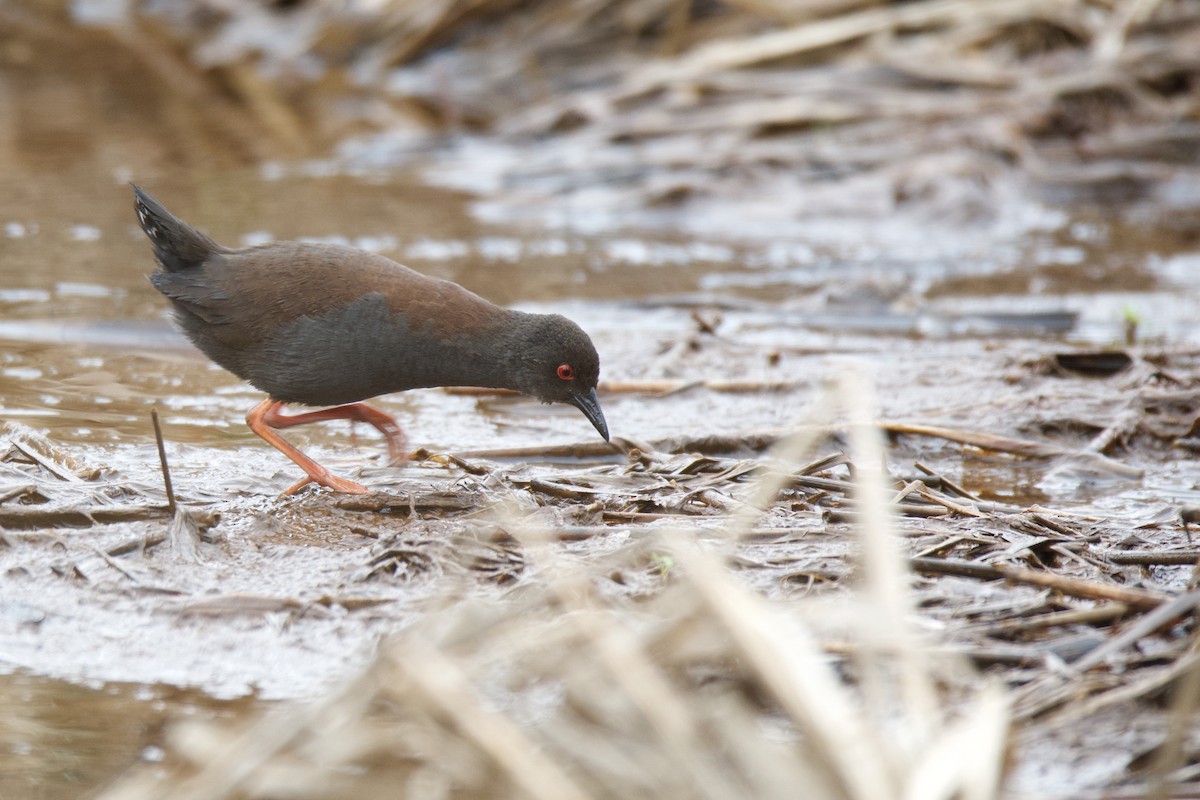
[494, 358]
[397, 358]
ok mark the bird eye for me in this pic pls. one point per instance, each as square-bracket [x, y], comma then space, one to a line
[566, 372]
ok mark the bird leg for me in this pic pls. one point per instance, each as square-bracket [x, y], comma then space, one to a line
[265, 417]
[393, 434]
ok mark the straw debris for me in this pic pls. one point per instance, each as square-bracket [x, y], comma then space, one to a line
[562, 690]
[640, 641]
[931, 102]
[658, 621]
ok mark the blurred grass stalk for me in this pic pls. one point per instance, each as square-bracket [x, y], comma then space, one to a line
[703, 689]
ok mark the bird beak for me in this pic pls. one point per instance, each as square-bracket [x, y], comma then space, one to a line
[590, 406]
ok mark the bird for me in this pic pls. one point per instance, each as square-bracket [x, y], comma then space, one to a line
[331, 326]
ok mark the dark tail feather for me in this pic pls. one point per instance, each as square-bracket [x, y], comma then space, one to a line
[177, 245]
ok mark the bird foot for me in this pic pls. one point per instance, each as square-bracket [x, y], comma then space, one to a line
[329, 481]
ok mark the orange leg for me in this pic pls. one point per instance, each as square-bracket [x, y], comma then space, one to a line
[265, 417]
[386, 424]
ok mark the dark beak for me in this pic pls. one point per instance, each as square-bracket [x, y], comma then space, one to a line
[590, 406]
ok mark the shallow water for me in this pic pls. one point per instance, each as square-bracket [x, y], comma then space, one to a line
[60, 740]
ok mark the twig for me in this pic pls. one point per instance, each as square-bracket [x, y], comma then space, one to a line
[57, 470]
[582, 450]
[1171, 754]
[162, 460]
[1075, 587]
[652, 387]
[761, 439]
[1152, 557]
[49, 455]
[1074, 616]
[946, 502]
[725, 54]
[1189, 517]
[1135, 598]
[908, 489]
[946, 482]
[107, 559]
[137, 543]
[1131, 691]
[1159, 617]
[26, 490]
[1118, 429]
[1053, 689]
[963, 569]
[903, 509]
[944, 546]
[406, 503]
[1054, 525]
[569, 491]
[234, 604]
[75, 516]
[984, 441]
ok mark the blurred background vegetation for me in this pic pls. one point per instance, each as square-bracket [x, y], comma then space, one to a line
[658, 103]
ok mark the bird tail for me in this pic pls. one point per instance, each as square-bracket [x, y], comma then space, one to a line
[177, 245]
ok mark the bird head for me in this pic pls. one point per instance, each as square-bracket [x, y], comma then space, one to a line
[557, 363]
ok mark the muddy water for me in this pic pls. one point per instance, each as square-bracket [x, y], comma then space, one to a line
[62, 740]
[86, 347]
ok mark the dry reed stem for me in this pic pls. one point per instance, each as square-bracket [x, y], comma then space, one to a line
[1111, 41]
[630, 667]
[192, 91]
[229, 763]
[1080, 709]
[632, 717]
[778, 464]
[1165, 614]
[885, 576]
[793, 669]
[162, 462]
[1140, 599]
[58, 461]
[445, 685]
[965, 760]
[749, 51]
[1171, 753]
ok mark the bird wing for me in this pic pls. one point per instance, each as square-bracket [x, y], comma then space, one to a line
[191, 293]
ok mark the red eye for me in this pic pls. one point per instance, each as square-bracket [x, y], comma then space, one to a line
[566, 372]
